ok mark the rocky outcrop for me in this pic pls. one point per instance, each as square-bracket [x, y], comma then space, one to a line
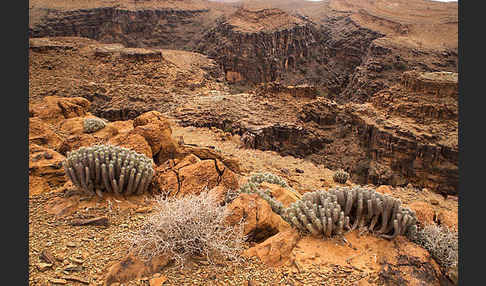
[193, 175]
[402, 136]
[250, 51]
[260, 221]
[381, 151]
[118, 85]
[350, 51]
[383, 64]
[54, 108]
[144, 27]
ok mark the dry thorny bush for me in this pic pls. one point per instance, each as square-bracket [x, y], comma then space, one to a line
[193, 225]
[441, 242]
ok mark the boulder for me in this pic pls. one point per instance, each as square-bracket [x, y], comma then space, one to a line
[208, 153]
[151, 117]
[384, 189]
[197, 177]
[260, 221]
[186, 161]
[72, 126]
[74, 142]
[132, 141]
[156, 129]
[393, 262]
[165, 181]
[276, 250]
[191, 175]
[122, 126]
[281, 194]
[75, 126]
[205, 175]
[42, 134]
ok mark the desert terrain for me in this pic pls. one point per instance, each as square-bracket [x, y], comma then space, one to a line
[214, 92]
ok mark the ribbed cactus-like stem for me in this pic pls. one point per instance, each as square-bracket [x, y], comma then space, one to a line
[253, 186]
[332, 212]
[340, 176]
[105, 168]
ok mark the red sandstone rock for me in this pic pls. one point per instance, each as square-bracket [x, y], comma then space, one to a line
[275, 250]
[133, 142]
[281, 194]
[260, 221]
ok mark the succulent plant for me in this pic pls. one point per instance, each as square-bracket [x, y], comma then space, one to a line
[91, 125]
[106, 168]
[340, 176]
[343, 209]
[253, 186]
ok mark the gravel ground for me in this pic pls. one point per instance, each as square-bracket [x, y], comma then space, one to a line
[82, 254]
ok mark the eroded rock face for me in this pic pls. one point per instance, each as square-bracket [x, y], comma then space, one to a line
[193, 175]
[133, 28]
[277, 249]
[393, 140]
[157, 131]
[256, 46]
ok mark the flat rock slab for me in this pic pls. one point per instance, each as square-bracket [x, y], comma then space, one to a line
[92, 221]
[139, 53]
[45, 44]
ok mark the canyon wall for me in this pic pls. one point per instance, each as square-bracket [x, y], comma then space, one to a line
[161, 28]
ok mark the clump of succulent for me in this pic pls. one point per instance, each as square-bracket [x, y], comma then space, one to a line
[342, 209]
[340, 176]
[253, 186]
[105, 168]
[91, 125]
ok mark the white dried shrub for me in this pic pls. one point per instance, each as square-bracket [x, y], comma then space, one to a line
[441, 242]
[188, 226]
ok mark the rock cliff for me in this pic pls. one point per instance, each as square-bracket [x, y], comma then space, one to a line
[347, 48]
[407, 134]
[162, 28]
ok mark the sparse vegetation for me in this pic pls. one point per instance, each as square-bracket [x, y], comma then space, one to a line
[193, 225]
[332, 212]
[340, 176]
[253, 186]
[106, 168]
[441, 242]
